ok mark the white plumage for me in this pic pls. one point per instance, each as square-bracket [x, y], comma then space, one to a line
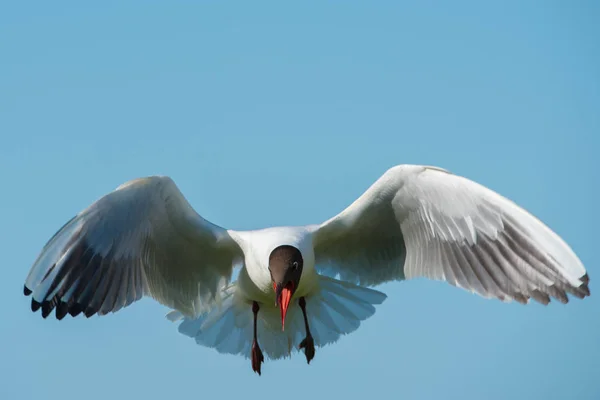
[144, 238]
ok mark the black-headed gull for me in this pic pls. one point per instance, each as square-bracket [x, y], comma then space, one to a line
[144, 238]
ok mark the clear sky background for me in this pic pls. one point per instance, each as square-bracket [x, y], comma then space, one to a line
[267, 113]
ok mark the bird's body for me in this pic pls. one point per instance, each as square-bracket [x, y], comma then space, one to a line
[227, 328]
[298, 287]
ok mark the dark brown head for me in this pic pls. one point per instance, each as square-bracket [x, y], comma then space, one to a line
[285, 265]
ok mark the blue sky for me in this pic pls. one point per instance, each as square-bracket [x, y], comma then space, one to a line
[267, 113]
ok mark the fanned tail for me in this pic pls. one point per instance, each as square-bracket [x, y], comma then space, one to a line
[336, 308]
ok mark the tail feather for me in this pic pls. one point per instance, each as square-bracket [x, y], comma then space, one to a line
[337, 308]
[352, 292]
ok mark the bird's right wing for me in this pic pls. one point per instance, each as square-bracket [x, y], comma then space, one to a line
[144, 238]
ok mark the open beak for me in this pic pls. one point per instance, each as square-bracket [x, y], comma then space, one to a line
[283, 295]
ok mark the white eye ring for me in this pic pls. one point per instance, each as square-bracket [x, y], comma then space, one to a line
[295, 264]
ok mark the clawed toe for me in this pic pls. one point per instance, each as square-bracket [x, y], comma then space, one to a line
[257, 357]
[308, 344]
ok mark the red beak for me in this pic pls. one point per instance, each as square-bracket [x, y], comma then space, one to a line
[284, 295]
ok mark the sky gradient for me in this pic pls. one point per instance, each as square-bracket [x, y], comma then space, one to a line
[273, 114]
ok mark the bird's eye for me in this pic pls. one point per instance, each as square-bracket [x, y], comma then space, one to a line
[295, 264]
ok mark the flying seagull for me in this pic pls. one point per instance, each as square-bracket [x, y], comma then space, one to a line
[145, 239]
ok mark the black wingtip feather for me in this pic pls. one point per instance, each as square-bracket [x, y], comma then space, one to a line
[90, 311]
[35, 305]
[75, 309]
[62, 309]
[585, 279]
[585, 289]
[26, 291]
[584, 286]
[47, 307]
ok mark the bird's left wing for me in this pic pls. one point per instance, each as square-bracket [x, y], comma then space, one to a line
[418, 221]
[144, 238]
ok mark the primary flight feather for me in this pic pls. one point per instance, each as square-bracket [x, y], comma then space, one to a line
[145, 239]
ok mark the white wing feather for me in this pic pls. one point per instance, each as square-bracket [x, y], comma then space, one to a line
[144, 238]
[418, 221]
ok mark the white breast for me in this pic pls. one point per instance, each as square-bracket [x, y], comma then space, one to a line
[259, 244]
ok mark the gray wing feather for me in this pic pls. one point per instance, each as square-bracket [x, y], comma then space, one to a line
[141, 239]
[418, 221]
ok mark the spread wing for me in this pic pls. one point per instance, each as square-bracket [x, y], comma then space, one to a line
[418, 221]
[144, 238]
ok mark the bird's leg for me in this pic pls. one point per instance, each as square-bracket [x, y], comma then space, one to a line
[308, 344]
[257, 355]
